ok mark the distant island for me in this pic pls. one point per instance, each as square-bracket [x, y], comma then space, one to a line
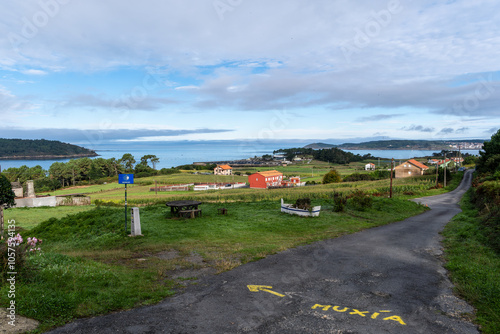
[41, 149]
[320, 146]
[473, 144]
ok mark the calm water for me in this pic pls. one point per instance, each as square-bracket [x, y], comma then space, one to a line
[173, 154]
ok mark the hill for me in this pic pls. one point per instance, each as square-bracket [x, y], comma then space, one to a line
[318, 146]
[41, 149]
[407, 144]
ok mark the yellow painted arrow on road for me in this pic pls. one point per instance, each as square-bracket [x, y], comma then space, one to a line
[257, 288]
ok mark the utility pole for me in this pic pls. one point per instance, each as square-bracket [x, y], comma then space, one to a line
[459, 156]
[392, 168]
[437, 174]
[444, 166]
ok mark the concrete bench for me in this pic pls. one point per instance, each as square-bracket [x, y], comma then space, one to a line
[190, 213]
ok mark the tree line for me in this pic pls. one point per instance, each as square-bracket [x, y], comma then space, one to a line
[84, 170]
[39, 147]
[332, 155]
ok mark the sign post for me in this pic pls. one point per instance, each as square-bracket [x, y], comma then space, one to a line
[126, 179]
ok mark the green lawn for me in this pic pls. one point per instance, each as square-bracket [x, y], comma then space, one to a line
[27, 218]
[474, 267]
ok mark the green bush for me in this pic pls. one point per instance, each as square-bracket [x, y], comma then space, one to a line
[339, 202]
[358, 177]
[303, 203]
[168, 171]
[332, 177]
[360, 201]
[11, 256]
[381, 174]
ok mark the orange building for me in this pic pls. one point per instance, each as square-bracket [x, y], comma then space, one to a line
[223, 170]
[266, 179]
[410, 168]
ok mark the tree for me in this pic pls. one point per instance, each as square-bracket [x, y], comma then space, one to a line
[56, 171]
[7, 197]
[127, 161]
[150, 157]
[489, 159]
[332, 177]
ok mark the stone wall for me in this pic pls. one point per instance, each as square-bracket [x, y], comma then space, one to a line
[35, 202]
[70, 200]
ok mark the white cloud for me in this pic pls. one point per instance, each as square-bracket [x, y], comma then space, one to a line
[268, 55]
[34, 72]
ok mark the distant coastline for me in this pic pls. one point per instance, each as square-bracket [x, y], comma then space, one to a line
[383, 145]
[49, 156]
[41, 149]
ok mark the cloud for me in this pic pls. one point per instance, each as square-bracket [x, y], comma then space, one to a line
[492, 130]
[189, 87]
[418, 128]
[446, 131]
[378, 117]
[11, 105]
[93, 137]
[261, 56]
[34, 72]
[146, 103]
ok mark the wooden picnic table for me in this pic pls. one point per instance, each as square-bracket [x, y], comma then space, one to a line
[177, 206]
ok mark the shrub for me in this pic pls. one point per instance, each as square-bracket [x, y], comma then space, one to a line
[339, 202]
[168, 171]
[360, 201]
[358, 177]
[381, 174]
[332, 177]
[303, 203]
[13, 252]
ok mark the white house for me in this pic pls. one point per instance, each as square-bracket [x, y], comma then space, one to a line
[370, 166]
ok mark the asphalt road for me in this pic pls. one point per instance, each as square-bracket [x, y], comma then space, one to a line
[388, 279]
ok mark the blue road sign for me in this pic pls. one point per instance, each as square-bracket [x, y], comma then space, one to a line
[125, 178]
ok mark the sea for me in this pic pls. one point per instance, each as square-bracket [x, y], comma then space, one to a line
[176, 153]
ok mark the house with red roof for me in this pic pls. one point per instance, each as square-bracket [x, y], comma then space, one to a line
[223, 170]
[410, 168]
[264, 180]
[370, 166]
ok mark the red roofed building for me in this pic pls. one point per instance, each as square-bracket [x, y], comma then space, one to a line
[410, 168]
[223, 170]
[264, 180]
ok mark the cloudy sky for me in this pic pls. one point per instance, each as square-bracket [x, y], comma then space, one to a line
[88, 70]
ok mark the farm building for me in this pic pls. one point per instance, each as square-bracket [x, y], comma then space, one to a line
[410, 168]
[223, 170]
[370, 166]
[266, 179]
[294, 181]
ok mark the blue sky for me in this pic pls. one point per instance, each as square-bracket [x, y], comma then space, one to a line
[90, 72]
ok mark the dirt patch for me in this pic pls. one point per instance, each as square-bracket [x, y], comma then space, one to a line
[195, 259]
[22, 324]
[167, 255]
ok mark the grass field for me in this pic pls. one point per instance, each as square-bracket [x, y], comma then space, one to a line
[89, 267]
[474, 267]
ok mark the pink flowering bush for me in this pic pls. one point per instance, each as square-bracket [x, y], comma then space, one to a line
[32, 245]
[14, 250]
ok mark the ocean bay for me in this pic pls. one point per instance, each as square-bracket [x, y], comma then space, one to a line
[176, 153]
